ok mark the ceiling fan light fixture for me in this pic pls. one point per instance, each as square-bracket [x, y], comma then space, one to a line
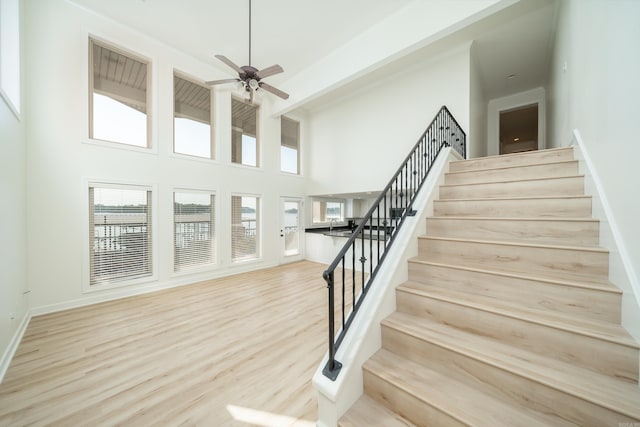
[249, 76]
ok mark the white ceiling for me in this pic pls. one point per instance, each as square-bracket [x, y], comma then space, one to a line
[299, 33]
[292, 33]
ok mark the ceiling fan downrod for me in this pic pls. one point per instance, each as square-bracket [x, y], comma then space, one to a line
[250, 77]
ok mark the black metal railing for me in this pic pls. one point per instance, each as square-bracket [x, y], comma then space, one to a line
[362, 255]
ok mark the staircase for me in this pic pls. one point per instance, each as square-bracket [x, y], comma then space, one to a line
[508, 317]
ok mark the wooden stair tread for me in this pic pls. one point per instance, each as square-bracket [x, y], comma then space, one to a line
[606, 331]
[460, 401]
[581, 263]
[519, 244]
[511, 181]
[493, 199]
[368, 412]
[560, 162]
[497, 218]
[511, 155]
[604, 286]
[602, 390]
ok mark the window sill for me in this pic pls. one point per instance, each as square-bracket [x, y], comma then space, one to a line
[87, 288]
[120, 146]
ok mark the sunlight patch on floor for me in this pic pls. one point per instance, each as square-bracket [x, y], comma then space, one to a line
[266, 419]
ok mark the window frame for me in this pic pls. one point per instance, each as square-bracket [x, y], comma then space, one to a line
[215, 233]
[11, 55]
[298, 151]
[325, 200]
[259, 239]
[257, 136]
[212, 139]
[87, 287]
[150, 146]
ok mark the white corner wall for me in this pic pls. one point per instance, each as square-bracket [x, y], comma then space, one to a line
[61, 158]
[477, 135]
[594, 89]
[358, 142]
[14, 302]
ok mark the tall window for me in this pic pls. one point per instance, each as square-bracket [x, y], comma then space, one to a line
[325, 211]
[118, 98]
[244, 135]
[289, 145]
[192, 133]
[121, 233]
[245, 227]
[10, 53]
[194, 230]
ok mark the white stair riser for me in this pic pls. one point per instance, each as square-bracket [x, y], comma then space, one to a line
[498, 381]
[525, 159]
[538, 187]
[404, 403]
[582, 233]
[585, 302]
[606, 357]
[570, 207]
[547, 261]
[549, 170]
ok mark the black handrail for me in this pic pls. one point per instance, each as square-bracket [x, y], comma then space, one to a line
[397, 200]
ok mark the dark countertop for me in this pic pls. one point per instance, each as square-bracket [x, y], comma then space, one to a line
[346, 232]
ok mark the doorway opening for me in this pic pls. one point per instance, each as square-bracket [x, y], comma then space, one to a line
[519, 129]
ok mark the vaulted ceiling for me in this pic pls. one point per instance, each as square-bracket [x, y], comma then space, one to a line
[329, 47]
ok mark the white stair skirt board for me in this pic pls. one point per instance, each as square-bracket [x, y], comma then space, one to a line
[621, 269]
[335, 398]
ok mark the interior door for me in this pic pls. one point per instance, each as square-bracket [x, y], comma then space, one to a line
[519, 129]
[291, 229]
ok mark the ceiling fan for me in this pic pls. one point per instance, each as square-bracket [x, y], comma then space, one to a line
[251, 77]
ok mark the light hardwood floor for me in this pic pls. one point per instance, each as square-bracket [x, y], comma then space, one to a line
[235, 351]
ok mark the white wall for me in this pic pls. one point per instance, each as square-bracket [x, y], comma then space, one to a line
[14, 304]
[477, 135]
[358, 142]
[61, 158]
[422, 23]
[594, 89]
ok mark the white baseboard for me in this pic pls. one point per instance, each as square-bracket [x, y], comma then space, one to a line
[125, 292]
[11, 349]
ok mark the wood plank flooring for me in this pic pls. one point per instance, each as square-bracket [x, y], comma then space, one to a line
[234, 351]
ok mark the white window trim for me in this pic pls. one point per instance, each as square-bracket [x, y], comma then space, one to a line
[152, 71]
[300, 151]
[259, 150]
[260, 232]
[329, 200]
[11, 55]
[87, 239]
[216, 228]
[213, 142]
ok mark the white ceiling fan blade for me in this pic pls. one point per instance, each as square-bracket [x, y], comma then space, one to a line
[219, 82]
[269, 71]
[230, 63]
[273, 90]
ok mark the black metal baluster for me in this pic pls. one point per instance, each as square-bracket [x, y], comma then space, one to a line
[344, 295]
[353, 273]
